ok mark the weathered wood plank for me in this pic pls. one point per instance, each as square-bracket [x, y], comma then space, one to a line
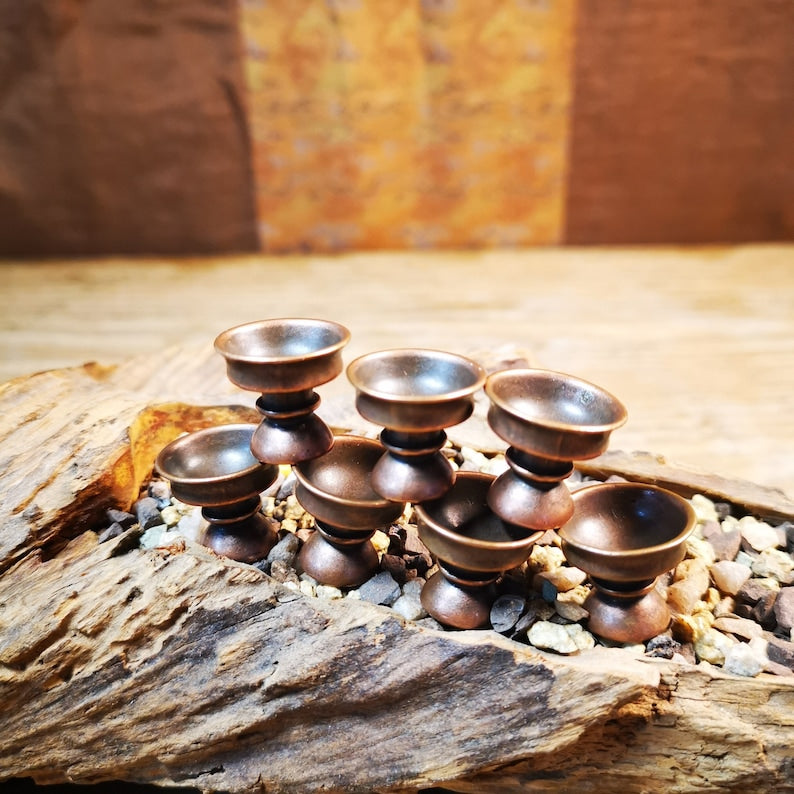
[173, 666]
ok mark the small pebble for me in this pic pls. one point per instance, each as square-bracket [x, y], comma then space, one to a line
[551, 637]
[190, 524]
[712, 646]
[764, 611]
[741, 627]
[726, 545]
[410, 607]
[160, 491]
[663, 646]
[571, 611]
[283, 572]
[584, 640]
[380, 589]
[758, 534]
[784, 609]
[690, 628]
[380, 540]
[147, 512]
[746, 559]
[684, 595]
[328, 591]
[561, 579]
[699, 548]
[506, 611]
[744, 659]
[780, 651]
[121, 517]
[753, 590]
[170, 516]
[151, 538]
[723, 510]
[287, 487]
[729, 576]
[285, 550]
[788, 528]
[704, 508]
[775, 564]
[113, 531]
[546, 558]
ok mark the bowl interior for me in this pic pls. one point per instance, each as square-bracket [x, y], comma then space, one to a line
[344, 472]
[554, 399]
[211, 454]
[627, 518]
[415, 375]
[281, 339]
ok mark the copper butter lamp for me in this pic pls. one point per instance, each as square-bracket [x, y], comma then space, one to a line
[335, 488]
[414, 394]
[550, 420]
[215, 469]
[284, 360]
[625, 535]
[472, 546]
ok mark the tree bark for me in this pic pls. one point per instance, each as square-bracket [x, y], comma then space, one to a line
[176, 667]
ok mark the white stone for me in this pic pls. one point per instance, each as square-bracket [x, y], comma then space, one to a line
[552, 637]
[354, 595]
[758, 534]
[473, 460]
[327, 591]
[744, 659]
[413, 587]
[729, 576]
[701, 549]
[729, 523]
[584, 640]
[410, 607]
[307, 588]
[775, 564]
[496, 465]
[704, 508]
[190, 525]
[151, 538]
[713, 646]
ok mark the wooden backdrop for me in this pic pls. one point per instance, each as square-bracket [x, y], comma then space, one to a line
[332, 125]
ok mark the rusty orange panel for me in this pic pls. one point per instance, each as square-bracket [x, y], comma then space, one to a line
[397, 124]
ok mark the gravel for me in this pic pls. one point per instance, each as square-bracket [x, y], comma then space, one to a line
[732, 597]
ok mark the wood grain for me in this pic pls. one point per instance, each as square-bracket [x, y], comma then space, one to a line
[175, 667]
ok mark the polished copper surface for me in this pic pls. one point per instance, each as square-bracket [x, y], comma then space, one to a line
[336, 489]
[414, 394]
[215, 469]
[625, 535]
[284, 359]
[473, 547]
[550, 420]
[552, 415]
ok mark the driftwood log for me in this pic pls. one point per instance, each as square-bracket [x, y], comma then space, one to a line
[178, 668]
